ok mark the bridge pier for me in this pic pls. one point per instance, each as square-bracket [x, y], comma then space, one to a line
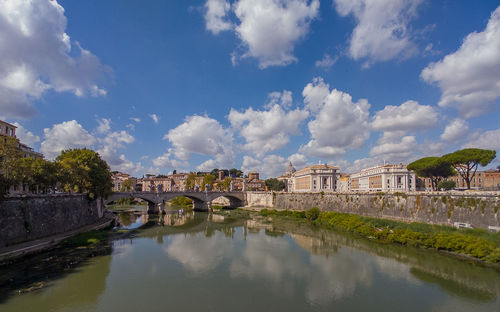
[152, 208]
[199, 205]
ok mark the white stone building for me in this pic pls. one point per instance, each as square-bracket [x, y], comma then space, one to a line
[383, 178]
[316, 178]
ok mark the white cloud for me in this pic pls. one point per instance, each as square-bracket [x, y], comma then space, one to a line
[68, 134]
[104, 125]
[326, 62]
[469, 78]
[136, 119]
[395, 151]
[382, 32]
[283, 99]
[298, 160]
[25, 136]
[215, 16]
[409, 116]
[38, 55]
[486, 140]
[207, 165]
[339, 123]
[166, 161]
[155, 118]
[266, 130]
[205, 136]
[268, 29]
[269, 166]
[455, 131]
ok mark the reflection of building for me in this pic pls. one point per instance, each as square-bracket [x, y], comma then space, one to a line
[383, 178]
[9, 130]
[316, 245]
[316, 178]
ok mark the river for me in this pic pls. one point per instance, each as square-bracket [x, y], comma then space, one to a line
[211, 262]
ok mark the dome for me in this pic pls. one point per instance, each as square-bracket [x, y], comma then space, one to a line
[290, 169]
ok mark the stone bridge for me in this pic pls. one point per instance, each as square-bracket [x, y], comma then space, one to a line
[202, 201]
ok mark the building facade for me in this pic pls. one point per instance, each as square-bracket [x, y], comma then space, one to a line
[316, 178]
[118, 178]
[9, 130]
[383, 178]
[482, 180]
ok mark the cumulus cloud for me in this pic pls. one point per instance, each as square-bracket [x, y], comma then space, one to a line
[167, 161]
[455, 131]
[38, 55]
[469, 78]
[283, 99]
[339, 123]
[266, 130]
[71, 134]
[382, 32]
[269, 166]
[396, 151]
[155, 118]
[25, 136]
[68, 134]
[485, 139]
[104, 125]
[298, 160]
[326, 62]
[215, 16]
[268, 29]
[205, 136]
[409, 116]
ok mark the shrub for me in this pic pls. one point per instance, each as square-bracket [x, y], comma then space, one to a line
[446, 185]
[313, 213]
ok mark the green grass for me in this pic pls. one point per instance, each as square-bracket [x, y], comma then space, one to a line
[477, 243]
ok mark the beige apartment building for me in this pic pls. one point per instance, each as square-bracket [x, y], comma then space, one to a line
[482, 180]
[118, 178]
[316, 178]
[390, 177]
[9, 130]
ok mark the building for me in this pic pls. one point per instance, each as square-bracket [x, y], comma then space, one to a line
[254, 183]
[482, 180]
[316, 178]
[287, 177]
[344, 183]
[9, 130]
[118, 178]
[383, 178]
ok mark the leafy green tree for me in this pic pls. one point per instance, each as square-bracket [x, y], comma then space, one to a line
[215, 172]
[274, 184]
[191, 181]
[207, 179]
[84, 171]
[435, 168]
[45, 174]
[233, 172]
[446, 185]
[126, 186]
[9, 156]
[466, 161]
[226, 183]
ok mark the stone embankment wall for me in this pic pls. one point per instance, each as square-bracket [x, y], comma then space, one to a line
[481, 210]
[24, 219]
[259, 199]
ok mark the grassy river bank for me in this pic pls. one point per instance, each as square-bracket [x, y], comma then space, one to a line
[472, 243]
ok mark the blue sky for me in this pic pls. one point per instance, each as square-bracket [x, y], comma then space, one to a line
[195, 85]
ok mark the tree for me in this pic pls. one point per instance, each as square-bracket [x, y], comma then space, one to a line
[85, 171]
[126, 186]
[274, 184]
[233, 172]
[45, 174]
[215, 172]
[446, 185]
[435, 168]
[9, 156]
[207, 179]
[466, 161]
[226, 183]
[191, 181]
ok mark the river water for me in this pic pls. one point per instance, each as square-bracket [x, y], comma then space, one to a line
[210, 262]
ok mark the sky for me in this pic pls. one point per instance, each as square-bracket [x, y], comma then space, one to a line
[155, 86]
